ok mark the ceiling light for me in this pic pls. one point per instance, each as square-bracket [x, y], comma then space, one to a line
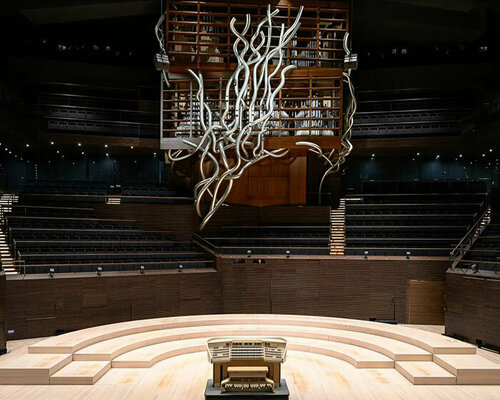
[106, 146]
[79, 144]
[27, 145]
[52, 143]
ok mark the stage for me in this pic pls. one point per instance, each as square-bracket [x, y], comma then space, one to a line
[328, 358]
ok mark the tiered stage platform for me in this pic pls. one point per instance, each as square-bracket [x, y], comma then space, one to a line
[159, 350]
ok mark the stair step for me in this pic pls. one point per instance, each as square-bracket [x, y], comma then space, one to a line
[80, 373]
[470, 369]
[425, 373]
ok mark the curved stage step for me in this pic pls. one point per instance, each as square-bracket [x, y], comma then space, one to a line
[83, 357]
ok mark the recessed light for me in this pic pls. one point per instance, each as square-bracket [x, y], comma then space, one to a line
[460, 155]
[27, 145]
[79, 144]
[373, 155]
[107, 155]
[418, 154]
[131, 147]
[106, 146]
[52, 143]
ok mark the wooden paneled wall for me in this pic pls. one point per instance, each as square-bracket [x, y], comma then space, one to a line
[473, 308]
[272, 182]
[348, 288]
[425, 304]
[40, 307]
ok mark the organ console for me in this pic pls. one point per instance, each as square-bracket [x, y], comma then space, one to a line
[247, 364]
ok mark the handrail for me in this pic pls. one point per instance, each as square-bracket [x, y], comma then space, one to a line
[205, 244]
[466, 242]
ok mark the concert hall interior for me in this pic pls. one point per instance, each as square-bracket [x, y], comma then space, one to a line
[249, 199]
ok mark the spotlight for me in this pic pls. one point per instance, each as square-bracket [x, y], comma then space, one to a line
[79, 145]
[373, 155]
[27, 145]
[460, 155]
[418, 154]
[52, 143]
[107, 154]
[141, 269]
[106, 146]
[131, 147]
[179, 268]
[249, 253]
[408, 254]
[51, 272]
[366, 254]
[99, 271]
[287, 253]
[437, 156]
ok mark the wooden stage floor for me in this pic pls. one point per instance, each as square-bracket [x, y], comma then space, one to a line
[309, 376]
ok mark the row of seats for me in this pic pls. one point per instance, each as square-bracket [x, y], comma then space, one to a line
[73, 239]
[429, 219]
[82, 191]
[410, 113]
[271, 239]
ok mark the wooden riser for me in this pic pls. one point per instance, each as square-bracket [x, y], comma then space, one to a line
[425, 373]
[82, 357]
[80, 373]
[470, 369]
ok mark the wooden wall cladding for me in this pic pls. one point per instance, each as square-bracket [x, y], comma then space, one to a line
[350, 288]
[347, 288]
[425, 304]
[272, 182]
[473, 308]
[40, 307]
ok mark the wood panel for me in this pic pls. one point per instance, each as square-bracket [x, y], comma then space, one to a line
[342, 287]
[272, 182]
[473, 308]
[425, 304]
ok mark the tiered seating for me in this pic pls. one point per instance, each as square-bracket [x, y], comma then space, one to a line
[70, 239]
[151, 193]
[83, 191]
[81, 109]
[272, 239]
[419, 218]
[409, 113]
[64, 191]
[485, 252]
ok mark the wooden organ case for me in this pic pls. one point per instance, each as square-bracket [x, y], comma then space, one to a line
[247, 364]
[309, 106]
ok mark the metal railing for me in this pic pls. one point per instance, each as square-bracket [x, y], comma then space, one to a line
[472, 234]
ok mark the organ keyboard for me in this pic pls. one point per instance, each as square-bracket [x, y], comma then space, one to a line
[246, 364]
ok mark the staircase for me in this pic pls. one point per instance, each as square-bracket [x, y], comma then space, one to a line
[114, 199]
[470, 238]
[6, 259]
[337, 230]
